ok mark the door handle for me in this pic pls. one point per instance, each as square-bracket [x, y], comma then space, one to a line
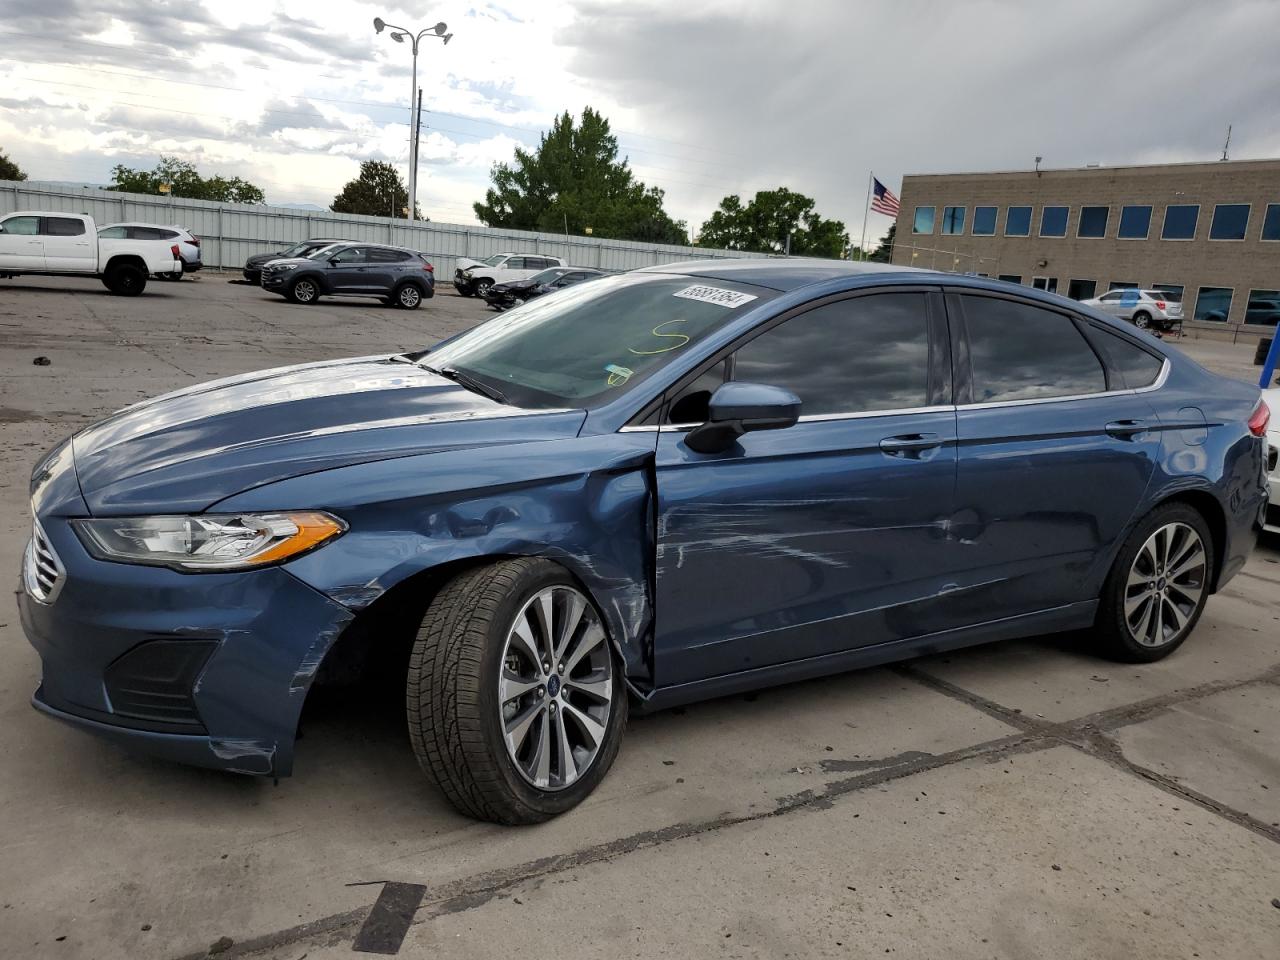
[910, 443]
[1126, 429]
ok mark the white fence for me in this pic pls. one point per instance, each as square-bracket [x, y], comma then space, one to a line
[231, 232]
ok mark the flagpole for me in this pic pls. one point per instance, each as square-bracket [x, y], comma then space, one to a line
[866, 212]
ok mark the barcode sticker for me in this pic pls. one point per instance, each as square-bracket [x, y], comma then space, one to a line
[717, 295]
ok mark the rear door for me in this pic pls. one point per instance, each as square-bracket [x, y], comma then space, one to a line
[383, 269]
[1055, 454]
[21, 245]
[827, 535]
[68, 245]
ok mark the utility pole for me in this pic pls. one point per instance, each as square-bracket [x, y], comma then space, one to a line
[1228, 143]
[413, 174]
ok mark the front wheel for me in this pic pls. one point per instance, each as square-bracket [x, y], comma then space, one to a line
[464, 289]
[515, 703]
[304, 291]
[482, 288]
[1157, 587]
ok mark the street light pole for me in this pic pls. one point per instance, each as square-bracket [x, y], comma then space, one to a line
[399, 35]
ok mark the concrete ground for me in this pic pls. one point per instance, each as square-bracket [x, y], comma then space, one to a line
[1017, 800]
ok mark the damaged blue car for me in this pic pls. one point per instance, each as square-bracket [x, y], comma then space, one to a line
[658, 487]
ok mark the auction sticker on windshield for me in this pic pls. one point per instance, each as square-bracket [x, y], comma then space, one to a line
[717, 295]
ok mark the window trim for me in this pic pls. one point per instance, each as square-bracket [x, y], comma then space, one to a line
[1244, 235]
[994, 224]
[1151, 209]
[1266, 213]
[940, 382]
[1225, 321]
[1066, 225]
[1164, 223]
[1031, 213]
[933, 221]
[1105, 226]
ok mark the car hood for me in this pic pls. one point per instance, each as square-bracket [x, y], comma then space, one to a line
[185, 451]
[512, 285]
[291, 261]
[466, 263]
[258, 259]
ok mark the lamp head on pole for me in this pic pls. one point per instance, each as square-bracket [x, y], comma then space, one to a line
[378, 24]
[398, 37]
[440, 28]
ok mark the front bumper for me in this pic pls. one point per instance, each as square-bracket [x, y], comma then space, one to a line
[274, 280]
[206, 669]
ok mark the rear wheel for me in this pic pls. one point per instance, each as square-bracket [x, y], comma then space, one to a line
[304, 291]
[1157, 587]
[515, 705]
[407, 296]
[125, 280]
[1142, 320]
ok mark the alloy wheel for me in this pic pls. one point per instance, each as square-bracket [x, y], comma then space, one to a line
[555, 691]
[1165, 586]
[304, 291]
[409, 296]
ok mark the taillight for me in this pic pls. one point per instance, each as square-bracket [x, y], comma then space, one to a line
[176, 254]
[1260, 418]
[1159, 304]
[429, 268]
[194, 241]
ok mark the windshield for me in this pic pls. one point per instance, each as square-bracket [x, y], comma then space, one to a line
[324, 253]
[592, 342]
[297, 250]
[493, 261]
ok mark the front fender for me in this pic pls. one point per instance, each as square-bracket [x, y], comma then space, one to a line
[584, 502]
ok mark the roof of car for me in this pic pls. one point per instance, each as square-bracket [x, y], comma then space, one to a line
[777, 273]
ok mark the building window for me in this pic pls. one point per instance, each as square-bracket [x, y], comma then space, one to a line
[1082, 289]
[1180, 221]
[1171, 291]
[1213, 304]
[923, 223]
[952, 221]
[1122, 285]
[1093, 222]
[1017, 222]
[1048, 284]
[1263, 307]
[1053, 221]
[1135, 223]
[1011, 277]
[984, 221]
[1271, 222]
[1230, 221]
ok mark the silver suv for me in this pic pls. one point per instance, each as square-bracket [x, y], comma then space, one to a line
[1161, 309]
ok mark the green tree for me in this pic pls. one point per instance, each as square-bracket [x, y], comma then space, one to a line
[884, 252]
[184, 181]
[10, 170]
[574, 180]
[378, 191]
[764, 224]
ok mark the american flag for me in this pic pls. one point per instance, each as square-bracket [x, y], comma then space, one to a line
[883, 200]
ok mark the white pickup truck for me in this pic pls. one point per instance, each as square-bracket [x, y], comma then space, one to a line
[64, 244]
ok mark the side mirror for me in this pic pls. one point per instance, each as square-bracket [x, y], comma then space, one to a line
[737, 408]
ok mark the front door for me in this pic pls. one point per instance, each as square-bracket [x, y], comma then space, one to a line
[1054, 458]
[68, 246]
[347, 270]
[827, 535]
[21, 246]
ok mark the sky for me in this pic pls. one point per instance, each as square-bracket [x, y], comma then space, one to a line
[707, 99]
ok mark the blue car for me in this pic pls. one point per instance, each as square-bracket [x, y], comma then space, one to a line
[658, 487]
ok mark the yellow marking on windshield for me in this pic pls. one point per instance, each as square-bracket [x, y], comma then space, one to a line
[665, 336]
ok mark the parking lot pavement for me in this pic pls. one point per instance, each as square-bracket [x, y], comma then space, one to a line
[1016, 800]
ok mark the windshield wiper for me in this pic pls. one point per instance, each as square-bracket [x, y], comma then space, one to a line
[471, 383]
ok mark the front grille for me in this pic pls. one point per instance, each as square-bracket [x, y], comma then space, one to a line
[42, 571]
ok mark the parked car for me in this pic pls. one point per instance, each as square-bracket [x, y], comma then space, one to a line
[253, 266]
[1262, 311]
[395, 275]
[515, 292]
[188, 243]
[473, 278]
[1161, 309]
[677, 483]
[1272, 398]
[48, 243]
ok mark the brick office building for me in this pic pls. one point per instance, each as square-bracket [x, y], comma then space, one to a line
[1209, 231]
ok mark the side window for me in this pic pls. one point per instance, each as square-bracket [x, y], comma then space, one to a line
[1110, 297]
[514, 263]
[353, 255]
[690, 404]
[852, 356]
[22, 226]
[384, 255]
[1138, 367]
[112, 233]
[1021, 352]
[63, 227]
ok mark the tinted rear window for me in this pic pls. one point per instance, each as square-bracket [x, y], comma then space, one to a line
[63, 227]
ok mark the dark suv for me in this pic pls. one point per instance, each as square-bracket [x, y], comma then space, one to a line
[253, 266]
[395, 275]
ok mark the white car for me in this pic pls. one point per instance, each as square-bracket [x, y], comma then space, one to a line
[473, 278]
[51, 243]
[1161, 309]
[1272, 397]
[188, 242]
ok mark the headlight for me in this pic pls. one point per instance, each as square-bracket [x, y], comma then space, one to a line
[207, 543]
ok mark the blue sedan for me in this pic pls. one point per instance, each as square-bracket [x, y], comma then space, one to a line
[657, 487]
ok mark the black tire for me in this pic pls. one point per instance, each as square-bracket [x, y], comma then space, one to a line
[464, 290]
[1142, 320]
[304, 290]
[169, 276]
[453, 703]
[407, 296]
[1111, 628]
[481, 287]
[125, 280]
